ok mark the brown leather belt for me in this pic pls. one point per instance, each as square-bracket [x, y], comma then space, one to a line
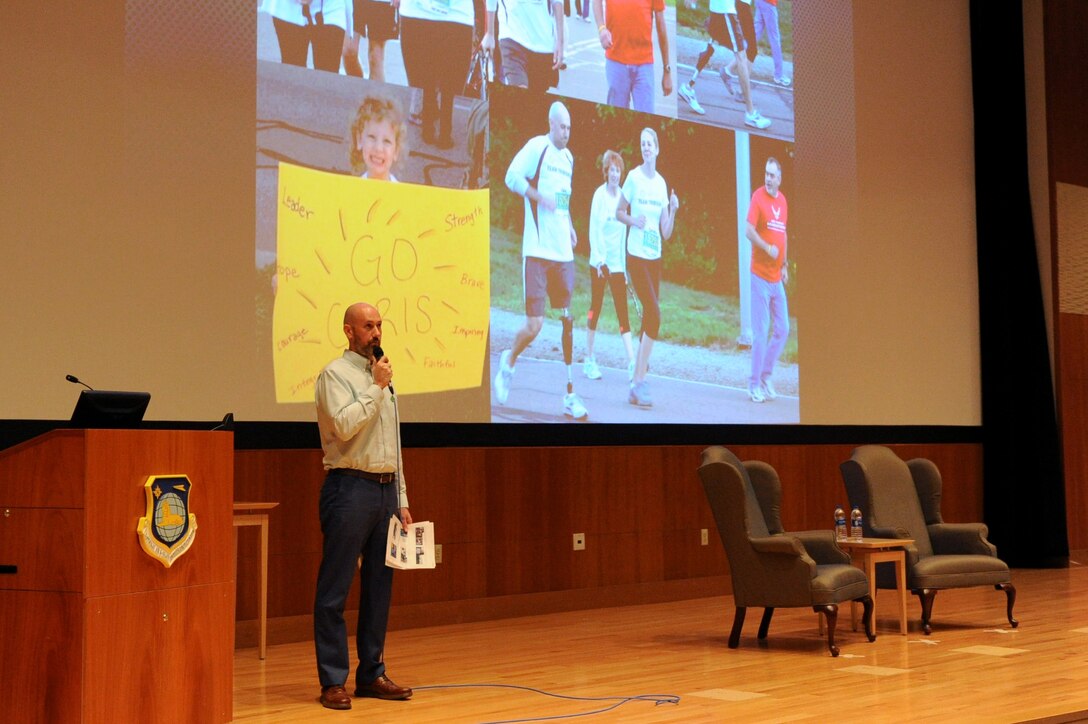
[376, 477]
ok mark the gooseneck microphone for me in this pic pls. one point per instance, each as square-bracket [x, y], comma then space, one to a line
[227, 423]
[76, 380]
[378, 354]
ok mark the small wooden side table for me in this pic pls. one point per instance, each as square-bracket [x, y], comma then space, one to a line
[865, 554]
[258, 515]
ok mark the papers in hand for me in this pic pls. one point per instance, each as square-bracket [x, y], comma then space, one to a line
[411, 547]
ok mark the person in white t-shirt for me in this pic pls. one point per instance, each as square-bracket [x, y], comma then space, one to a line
[607, 262]
[530, 40]
[541, 173]
[377, 138]
[649, 209]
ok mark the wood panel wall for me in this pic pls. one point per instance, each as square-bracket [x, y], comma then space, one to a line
[505, 519]
[1073, 421]
[1066, 47]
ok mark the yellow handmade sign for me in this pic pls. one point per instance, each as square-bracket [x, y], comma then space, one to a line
[419, 254]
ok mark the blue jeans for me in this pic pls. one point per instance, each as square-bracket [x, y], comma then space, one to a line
[770, 315]
[627, 83]
[355, 517]
[767, 19]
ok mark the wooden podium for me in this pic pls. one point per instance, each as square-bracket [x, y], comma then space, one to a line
[92, 628]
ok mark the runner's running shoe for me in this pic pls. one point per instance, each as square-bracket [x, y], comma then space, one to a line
[755, 394]
[755, 119]
[590, 368]
[768, 390]
[640, 395]
[732, 83]
[503, 377]
[687, 92]
[732, 90]
[573, 407]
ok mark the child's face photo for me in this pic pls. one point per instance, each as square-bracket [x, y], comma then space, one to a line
[378, 144]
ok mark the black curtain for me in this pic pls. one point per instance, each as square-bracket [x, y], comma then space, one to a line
[1024, 491]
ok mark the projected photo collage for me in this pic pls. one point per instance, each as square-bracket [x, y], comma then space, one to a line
[568, 214]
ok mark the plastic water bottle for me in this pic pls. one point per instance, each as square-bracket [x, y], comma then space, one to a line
[840, 523]
[855, 524]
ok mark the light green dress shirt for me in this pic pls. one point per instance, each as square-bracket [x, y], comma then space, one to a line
[357, 420]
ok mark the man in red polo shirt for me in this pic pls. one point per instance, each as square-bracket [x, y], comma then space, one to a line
[766, 230]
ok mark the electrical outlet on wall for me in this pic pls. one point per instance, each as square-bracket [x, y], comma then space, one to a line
[579, 541]
[437, 552]
[704, 537]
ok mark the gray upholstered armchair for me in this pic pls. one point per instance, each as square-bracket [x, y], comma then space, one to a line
[903, 500]
[769, 567]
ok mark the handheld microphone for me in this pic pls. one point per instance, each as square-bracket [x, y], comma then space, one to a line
[76, 380]
[378, 354]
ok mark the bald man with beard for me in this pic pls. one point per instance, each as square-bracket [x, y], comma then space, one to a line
[364, 487]
[541, 173]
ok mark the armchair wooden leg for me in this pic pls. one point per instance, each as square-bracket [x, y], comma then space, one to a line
[831, 613]
[738, 622]
[867, 616]
[925, 596]
[765, 623]
[1010, 595]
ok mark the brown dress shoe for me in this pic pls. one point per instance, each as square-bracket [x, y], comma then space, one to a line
[335, 697]
[384, 688]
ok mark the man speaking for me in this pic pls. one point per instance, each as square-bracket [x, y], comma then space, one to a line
[364, 487]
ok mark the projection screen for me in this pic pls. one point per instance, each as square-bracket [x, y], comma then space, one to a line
[185, 217]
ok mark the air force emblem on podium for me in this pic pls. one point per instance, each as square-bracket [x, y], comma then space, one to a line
[168, 528]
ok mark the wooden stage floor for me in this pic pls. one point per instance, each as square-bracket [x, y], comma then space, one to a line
[972, 668]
